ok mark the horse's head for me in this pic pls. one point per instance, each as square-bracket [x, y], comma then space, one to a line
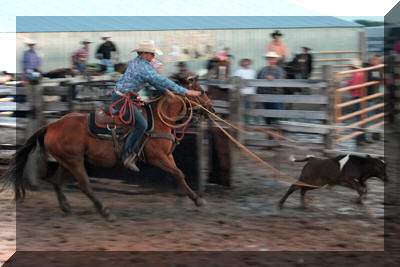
[190, 82]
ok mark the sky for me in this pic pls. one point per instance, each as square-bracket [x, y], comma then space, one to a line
[349, 10]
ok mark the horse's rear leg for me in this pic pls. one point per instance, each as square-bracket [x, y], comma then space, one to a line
[168, 164]
[57, 180]
[79, 172]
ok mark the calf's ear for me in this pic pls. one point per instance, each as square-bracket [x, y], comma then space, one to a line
[368, 156]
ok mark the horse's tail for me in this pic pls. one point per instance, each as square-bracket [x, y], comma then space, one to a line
[13, 176]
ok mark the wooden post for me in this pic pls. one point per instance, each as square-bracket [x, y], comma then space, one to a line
[36, 120]
[202, 166]
[235, 115]
[327, 72]
[363, 46]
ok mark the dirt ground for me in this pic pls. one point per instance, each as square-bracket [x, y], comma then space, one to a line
[244, 218]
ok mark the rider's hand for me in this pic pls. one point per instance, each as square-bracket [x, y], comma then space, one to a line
[193, 93]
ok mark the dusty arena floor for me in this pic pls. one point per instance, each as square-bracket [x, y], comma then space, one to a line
[244, 218]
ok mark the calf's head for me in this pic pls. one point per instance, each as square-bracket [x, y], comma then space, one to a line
[376, 168]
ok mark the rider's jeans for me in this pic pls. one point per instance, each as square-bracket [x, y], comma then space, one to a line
[139, 129]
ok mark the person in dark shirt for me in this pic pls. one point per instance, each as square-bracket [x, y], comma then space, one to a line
[306, 66]
[104, 52]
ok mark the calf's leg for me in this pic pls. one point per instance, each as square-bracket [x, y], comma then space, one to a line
[292, 188]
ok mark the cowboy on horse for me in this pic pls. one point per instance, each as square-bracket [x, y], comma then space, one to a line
[138, 74]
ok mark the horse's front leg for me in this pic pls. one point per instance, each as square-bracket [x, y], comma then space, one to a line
[167, 163]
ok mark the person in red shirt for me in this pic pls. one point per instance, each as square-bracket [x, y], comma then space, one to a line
[357, 78]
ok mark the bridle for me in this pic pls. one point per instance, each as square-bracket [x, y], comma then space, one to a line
[198, 102]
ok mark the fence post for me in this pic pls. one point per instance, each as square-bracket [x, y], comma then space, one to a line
[201, 152]
[235, 116]
[36, 120]
[363, 46]
[235, 104]
[327, 72]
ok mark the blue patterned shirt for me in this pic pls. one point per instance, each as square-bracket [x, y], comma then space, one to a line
[31, 60]
[140, 72]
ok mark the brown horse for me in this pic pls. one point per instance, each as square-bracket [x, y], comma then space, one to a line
[68, 141]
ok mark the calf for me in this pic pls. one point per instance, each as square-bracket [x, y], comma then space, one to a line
[346, 170]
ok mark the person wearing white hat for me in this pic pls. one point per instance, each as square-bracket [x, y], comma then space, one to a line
[80, 56]
[139, 73]
[105, 51]
[31, 61]
[271, 72]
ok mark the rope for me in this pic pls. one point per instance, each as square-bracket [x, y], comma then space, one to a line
[257, 158]
[270, 132]
[163, 117]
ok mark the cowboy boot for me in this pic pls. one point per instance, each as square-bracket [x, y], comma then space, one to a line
[129, 163]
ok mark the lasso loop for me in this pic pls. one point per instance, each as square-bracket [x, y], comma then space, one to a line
[163, 117]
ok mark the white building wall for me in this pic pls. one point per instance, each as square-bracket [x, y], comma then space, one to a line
[56, 48]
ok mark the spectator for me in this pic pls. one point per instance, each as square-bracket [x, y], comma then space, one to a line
[271, 72]
[104, 52]
[246, 73]
[80, 57]
[31, 61]
[279, 47]
[306, 67]
[356, 79]
[218, 66]
[223, 65]
[230, 57]
[182, 70]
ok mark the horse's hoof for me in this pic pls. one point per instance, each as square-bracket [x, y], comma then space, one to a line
[200, 202]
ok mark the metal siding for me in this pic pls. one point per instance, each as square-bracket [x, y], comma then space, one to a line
[147, 23]
[251, 43]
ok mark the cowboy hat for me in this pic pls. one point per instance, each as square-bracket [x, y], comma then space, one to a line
[105, 35]
[356, 63]
[306, 47]
[181, 64]
[276, 33]
[148, 46]
[31, 42]
[271, 54]
[85, 41]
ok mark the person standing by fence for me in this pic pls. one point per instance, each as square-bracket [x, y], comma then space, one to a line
[306, 67]
[271, 72]
[246, 73]
[80, 57]
[31, 61]
[279, 47]
[104, 52]
[356, 79]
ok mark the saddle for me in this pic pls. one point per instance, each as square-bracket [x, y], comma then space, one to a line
[102, 124]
